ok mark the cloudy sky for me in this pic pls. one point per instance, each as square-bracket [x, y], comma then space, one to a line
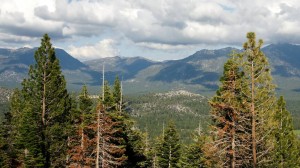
[156, 29]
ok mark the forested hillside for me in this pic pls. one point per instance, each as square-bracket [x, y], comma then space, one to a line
[152, 112]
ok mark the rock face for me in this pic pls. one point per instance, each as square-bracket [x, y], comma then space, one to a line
[5, 95]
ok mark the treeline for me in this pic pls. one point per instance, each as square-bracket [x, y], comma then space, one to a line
[48, 127]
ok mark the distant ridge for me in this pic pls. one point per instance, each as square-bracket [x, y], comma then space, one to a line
[203, 69]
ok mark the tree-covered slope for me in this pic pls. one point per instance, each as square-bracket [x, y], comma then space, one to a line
[153, 111]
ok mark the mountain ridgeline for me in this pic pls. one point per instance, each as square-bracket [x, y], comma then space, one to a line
[198, 72]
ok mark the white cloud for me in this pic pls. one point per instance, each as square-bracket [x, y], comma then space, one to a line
[104, 48]
[165, 25]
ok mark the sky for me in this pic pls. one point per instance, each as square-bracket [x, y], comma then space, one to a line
[155, 29]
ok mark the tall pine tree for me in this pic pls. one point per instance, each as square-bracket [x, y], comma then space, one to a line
[243, 109]
[230, 126]
[46, 110]
[261, 99]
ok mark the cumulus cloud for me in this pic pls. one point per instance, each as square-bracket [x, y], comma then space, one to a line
[104, 48]
[165, 25]
[172, 22]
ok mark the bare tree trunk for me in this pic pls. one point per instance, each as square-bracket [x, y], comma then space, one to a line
[170, 156]
[103, 152]
[154, 161]
[44, 136]
[44, 98]
[253, 118]
[98, 139]
[98, 124]
[233, 157]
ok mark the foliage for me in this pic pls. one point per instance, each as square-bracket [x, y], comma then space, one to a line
[286, 151]
[230, 120]
[168, 149]
[193, 155]
[243, 111]
[44, 107]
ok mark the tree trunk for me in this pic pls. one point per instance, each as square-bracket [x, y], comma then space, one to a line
[170, 156]
[253, 118]
[98, 138]
[233, 157]
[103, 152]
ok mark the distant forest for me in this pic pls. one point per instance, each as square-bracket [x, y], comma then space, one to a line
[247, 125]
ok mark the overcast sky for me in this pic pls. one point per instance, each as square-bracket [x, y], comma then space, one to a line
[156, 29]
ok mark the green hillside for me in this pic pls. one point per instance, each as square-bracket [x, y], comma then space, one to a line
[152, 111]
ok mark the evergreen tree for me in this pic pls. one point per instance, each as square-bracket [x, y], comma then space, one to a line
[111, 128]
[46, 110]
[9, 135]
[168, 152]
[135, 147]
[261, 100]
[286, 152]
[108, 100]
[110, 151]
[194, 156]
[230, 119]
[82, 117]
[243, 109]
[117, 93]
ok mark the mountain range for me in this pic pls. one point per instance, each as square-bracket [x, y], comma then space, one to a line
[198, 73]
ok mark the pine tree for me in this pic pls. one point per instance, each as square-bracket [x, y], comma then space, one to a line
[109, 148]
[117, 94]
[80, 153]
[243, 109]
[46, 110]
[230, 124]
[194, 156]
[168, 152]
[108, 100]
[286, 153]
[111, 129]
[9, 135]
[261, 99]
[135, 148]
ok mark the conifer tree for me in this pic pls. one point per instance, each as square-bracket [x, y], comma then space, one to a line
[108, 100]
[10, 153]
[117, 93]
[135, 148]
[46, 110]
[109, 148]
[261, 99]
[80, 153]
[286, 152]
[168, 152]
[193, 156]
[230, 125]
[243, 109]
[111, 130]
